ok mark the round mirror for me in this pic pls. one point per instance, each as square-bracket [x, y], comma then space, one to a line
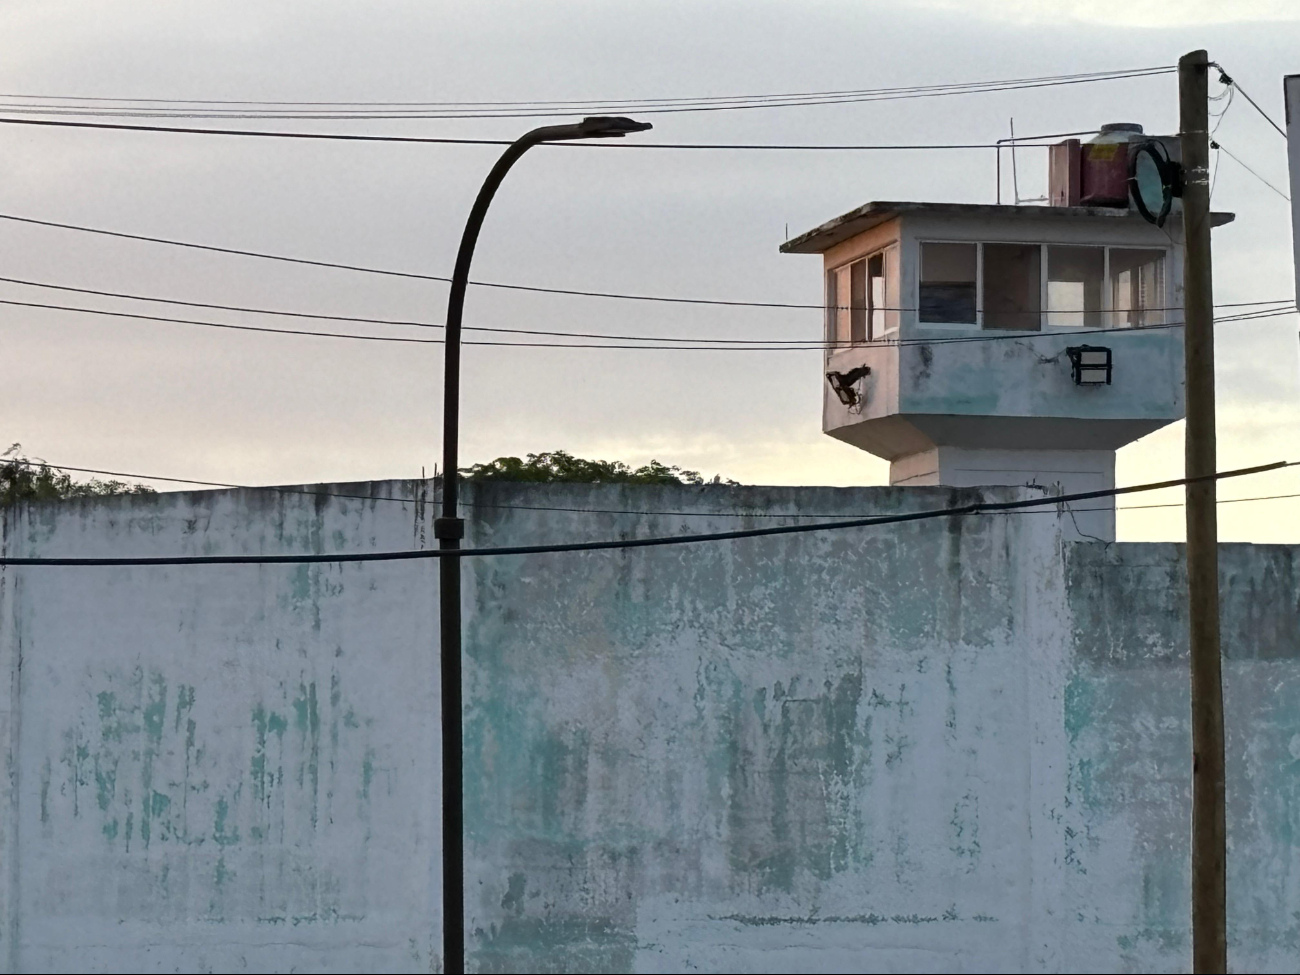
[1151, 182]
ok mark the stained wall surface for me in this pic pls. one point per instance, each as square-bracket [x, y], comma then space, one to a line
[943, 745]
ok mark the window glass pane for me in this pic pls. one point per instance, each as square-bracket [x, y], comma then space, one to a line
[876, 296]
[1074, 276]
[1012, 283]
[948, 283]
[831, 302]
[891, 289]
[858, 311]
[843, 297]
[1137, 286]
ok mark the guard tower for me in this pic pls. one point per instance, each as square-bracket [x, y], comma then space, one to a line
[973, 344]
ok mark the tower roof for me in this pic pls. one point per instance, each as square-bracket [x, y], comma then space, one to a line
[847, 225]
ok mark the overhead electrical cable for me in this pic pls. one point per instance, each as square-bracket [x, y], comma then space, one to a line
[248, 309]
[644, 107]
[569, 103]
[981, 507]
[589, 144]
[811, 345]
[1225, 79]
[1215, 144]
[264, 255]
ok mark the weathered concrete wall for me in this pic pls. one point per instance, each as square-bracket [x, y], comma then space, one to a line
[220, 770]
[1125, 715]
[939, 746]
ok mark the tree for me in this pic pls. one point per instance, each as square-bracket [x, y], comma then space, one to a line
[561, 466]
[22, 479]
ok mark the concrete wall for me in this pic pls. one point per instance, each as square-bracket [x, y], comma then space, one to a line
[938, 746]
[230, 769]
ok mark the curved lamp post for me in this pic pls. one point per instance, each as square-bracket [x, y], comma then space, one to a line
[449, 529]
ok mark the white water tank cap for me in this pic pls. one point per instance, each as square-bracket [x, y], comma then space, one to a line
[1116, 128]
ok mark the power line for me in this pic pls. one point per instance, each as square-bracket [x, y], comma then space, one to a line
[340, 557]
[27, 282]
[1237, 159]
[533, 507]
[429, 140]
[264, 255]
[643, 344]
[645, 107]
[591, 104]
[788, 347]
[1224, 79]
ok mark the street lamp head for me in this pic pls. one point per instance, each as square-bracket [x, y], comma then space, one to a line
[610, 127]
[595, 127]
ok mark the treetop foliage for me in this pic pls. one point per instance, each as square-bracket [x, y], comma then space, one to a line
[558, 466]
[22, 479]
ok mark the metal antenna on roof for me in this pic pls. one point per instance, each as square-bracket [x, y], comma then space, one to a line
[1015, 181]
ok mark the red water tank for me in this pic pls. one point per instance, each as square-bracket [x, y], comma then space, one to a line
[1104, 165]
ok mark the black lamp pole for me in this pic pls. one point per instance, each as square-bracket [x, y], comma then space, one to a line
[449, 529]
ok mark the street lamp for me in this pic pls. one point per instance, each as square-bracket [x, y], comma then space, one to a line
[449, 529]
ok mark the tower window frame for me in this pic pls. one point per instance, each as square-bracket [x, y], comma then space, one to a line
[1139, 300]
[858, 299]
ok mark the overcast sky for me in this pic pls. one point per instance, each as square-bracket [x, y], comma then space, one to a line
[205, 403]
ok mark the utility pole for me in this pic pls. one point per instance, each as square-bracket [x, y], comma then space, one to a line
[1209, 820]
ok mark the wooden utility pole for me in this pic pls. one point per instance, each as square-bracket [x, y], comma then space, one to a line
[1209, 829]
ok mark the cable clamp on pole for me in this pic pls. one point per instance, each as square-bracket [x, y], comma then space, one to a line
[449, 528]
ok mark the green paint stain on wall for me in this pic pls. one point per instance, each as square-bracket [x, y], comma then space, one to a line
[559, 773]
[307, 720]
[367, 772]
[265, 724]
[184, 702]
[841, 718]
[114, 719]
[159, 804]
[1080, 706]
[301, 584]
[105, 783]
[110, 830]
[1081, 779]
[223, 834]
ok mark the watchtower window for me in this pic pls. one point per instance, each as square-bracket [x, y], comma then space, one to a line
[1012, 286]
[846, 301]
[948, 288]
[1022, 286]
[1137, 286]
[877, 303]
[1074, 285]
[858, 298]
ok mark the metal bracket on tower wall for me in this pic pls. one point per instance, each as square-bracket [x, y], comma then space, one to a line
[449, 528]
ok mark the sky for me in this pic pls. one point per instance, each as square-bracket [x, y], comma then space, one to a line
[188, 401]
